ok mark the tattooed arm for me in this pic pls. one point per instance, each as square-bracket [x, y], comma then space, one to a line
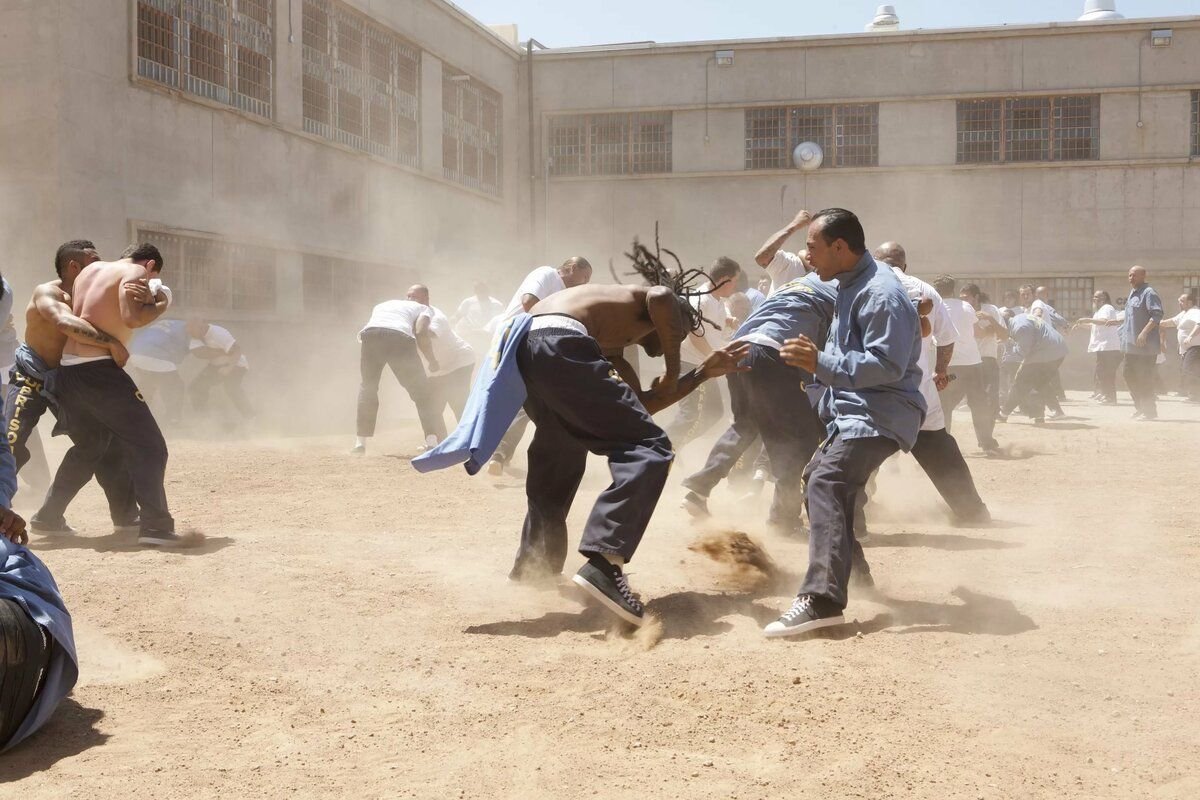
[55, 310]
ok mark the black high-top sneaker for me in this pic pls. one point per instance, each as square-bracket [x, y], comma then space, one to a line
[607, 583]
[808, 613]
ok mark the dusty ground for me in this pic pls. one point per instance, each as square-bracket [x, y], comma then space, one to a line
[348, 632]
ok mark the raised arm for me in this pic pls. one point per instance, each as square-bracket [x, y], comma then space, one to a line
[767, 252]
[58, 313]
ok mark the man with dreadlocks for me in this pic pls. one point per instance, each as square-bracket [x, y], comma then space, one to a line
[584, 397]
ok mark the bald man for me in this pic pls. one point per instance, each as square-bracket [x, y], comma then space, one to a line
[1140, 342]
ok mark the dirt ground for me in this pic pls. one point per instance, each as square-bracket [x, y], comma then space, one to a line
[348, 632]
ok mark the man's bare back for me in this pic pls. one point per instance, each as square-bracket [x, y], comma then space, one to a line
[615, 316]
[98, 298]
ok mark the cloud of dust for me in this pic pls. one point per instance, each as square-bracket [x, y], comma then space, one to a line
[742, 563]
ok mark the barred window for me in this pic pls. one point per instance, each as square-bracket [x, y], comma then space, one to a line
[360, 84]
[610, 144]
[342, 287]
[218, 49]
[848, 134]
[1196, 123]
[1015, 129]
[471, 120]
[215, 275]
[1071, 297]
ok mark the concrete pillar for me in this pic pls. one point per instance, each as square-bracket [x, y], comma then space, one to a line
[431, 114]
[289, 65]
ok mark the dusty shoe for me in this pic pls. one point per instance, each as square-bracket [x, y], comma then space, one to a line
[696, 505]
[51, 527]
[607, 584]
[808, 613]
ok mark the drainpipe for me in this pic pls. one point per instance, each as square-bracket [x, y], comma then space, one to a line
[531, 135]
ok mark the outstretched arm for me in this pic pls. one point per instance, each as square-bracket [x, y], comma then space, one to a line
[720, 362]
[771, 246]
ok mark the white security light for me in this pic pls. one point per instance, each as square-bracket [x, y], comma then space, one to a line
[1161, 37]
[724, 58]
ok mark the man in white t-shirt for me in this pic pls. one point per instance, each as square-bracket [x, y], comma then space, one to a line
[989, 332]
[538, 285]
[1187, 328]
[703, 408]
[473, 319]
[783, 267]
[227, 366]
[450, 372]
[390, 339]
[1105, 342]
[967, 367]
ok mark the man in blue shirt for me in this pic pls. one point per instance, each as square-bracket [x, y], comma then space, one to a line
[1042, 349]
[872, 408]
[1140, 343]
[770, 400]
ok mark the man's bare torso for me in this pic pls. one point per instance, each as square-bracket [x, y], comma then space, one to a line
[615, 316]
[96, 297]
[41, 334]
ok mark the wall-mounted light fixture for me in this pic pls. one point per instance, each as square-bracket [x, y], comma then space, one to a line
[1161, 37]
[724, 58]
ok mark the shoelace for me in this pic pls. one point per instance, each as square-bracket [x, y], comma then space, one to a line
[623, 588]
[800, 607]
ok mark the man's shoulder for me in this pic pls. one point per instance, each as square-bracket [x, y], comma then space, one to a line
[52, 289]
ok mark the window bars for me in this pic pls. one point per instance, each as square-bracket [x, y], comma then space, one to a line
[216, 275]
[218, 49]
[471, 121]
[610, 144]
[848, 134]
[1022, 129]
[1196, 123]
[360, 83]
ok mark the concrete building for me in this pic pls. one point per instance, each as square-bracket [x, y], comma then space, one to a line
[299, 160]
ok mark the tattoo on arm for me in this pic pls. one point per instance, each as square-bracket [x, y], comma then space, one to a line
[83, 331]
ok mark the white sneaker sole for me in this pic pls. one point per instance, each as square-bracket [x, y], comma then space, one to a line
[773, 632]
[151, 541]
[605, 601]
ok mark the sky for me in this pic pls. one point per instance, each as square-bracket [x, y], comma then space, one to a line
[568, 23]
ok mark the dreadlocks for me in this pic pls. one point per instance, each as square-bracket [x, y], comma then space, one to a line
[682, 282]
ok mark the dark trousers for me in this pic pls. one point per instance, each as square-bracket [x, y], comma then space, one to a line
[382, 347]
[969, 382]
[768, 402]
[230, 382]
[1008, 373]
[697, 412]
[164, 391]
[1033, 390]
[1189, 371]
[24, 405]
[1139, 377]
[453, 389]
[508, 445]
[104, 407]
[836, 478]
[938, 454]
[1107, 362]
[991, 384]
[24, 657]
[579, 406]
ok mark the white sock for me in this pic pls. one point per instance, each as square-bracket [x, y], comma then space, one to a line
[430, 440]
[614, 559]
[360, 441]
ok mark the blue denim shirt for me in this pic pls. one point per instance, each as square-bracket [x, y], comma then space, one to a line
[870, 358]
[1142, 306]
[1036, 340]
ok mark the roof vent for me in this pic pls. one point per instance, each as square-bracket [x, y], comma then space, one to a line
[885, 20]
[1095, 10]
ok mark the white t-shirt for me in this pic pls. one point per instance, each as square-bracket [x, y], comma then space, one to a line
[966, 350]
[541, 283]
[396, 315]
[217, 338]
[989, 345]
[784, 268]
[1185, 325]
[713, 310]
[944, 332]
[474, 315]
[1105, 337]
[451, 352]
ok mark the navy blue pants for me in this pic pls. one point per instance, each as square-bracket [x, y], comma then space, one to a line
[939, 455]
[769, 402]
[579, 405]
[836, 479]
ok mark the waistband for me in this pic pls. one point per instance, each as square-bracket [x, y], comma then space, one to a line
[30, 363]
[75, 361]
[558, 322]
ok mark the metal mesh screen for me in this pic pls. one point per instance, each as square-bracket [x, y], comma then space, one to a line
[1196, 123]
[1016, 129]
[214, 275]
[360, 83]
[218, 49]
[848, 134]
[979, 131]
[471, 120]
[1027, 137]
[610, 144]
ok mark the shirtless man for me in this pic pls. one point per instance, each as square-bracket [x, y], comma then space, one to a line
[583, 396]
[101, 401]
[49, 323]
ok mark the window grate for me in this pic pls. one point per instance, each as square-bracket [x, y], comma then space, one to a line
[215, 275]
[1024, 129]
[848, 134]
[218, 49]
[636, 143]
[360, 84]
[1196, 123]
[471, 142]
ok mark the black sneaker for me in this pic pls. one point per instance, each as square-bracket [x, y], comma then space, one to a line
[808, 613]
[607, 583]
[696, 505]
[153, 538]
[132, 526]
[55, 528]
